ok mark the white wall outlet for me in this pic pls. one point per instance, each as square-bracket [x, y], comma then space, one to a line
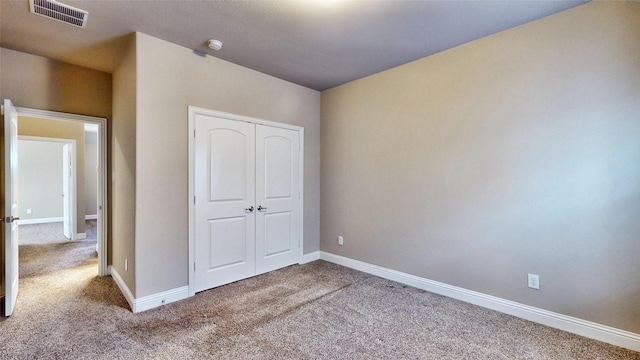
[126, 264]
[340, 240]
[29, 211]
[534, 281]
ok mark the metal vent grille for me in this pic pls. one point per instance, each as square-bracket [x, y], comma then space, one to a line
[61, 12]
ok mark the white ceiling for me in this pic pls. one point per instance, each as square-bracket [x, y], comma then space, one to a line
[308, 42]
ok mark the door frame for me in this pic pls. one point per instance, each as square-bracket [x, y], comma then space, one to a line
[11, 215]
[69, 191]
[193, 111]
[73, 198]
[103, 269]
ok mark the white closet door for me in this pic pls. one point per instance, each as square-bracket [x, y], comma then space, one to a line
[277, 198]
[10, 207]
[67, 156]
[224, 244]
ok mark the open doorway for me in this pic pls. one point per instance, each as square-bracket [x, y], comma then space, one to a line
[47, 184]
[75, 175]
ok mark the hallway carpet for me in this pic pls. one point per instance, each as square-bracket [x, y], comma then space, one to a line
[314, 311]
[52, 233]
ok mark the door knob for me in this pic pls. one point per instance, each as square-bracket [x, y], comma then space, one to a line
[260, 208]
[249, 209]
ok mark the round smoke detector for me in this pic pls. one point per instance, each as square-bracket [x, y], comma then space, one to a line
[214, 44]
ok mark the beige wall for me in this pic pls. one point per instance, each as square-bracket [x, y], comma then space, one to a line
[516, 153]
[90, 173]
[39, 83]
[170, 78]
[40, 179]
[28, 126]
[124, 166]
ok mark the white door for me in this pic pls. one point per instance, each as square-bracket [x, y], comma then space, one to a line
[277, 198]
[66, 193]
[10, 205]
[224, 246]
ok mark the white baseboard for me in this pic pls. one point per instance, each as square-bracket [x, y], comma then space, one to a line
[40, 221]
[124, 289]
[150, 301]
[307, 258]
[91, 217]
[159, 299]
[570, 324]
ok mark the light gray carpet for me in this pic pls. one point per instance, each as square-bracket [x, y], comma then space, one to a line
[314, 311]
[51, 233]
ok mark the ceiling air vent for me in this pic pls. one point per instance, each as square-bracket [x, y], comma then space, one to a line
[61, 12]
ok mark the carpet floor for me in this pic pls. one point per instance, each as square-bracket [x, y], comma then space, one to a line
[51, 233]
[314, 311]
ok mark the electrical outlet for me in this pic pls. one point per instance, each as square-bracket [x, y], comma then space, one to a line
[534, 281]
[29, 211]
[340, 240]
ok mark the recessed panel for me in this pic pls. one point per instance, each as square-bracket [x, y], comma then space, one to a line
[278, 167]
[227, 165]
[227, 242]
[277, 233]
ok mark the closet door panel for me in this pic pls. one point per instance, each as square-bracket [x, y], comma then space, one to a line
[224, 245]
[277, 198]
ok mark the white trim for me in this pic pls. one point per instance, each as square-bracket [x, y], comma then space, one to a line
[191, 199]
[54, 115]
[81, 236]
[103, 269]
[301, 190]
[91, 217]
[159, 299]
[570, 324]
[40, 221]
[101, 231]
[72, 189]
[193, 111]
[307, 258]
[45, 139]
[151, 301]
[124, 289]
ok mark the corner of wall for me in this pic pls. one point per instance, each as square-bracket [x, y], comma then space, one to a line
[123, 157]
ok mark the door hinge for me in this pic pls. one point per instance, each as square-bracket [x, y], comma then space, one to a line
[1, 109]
[194, 133]
[194, 267]
[194, 200]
